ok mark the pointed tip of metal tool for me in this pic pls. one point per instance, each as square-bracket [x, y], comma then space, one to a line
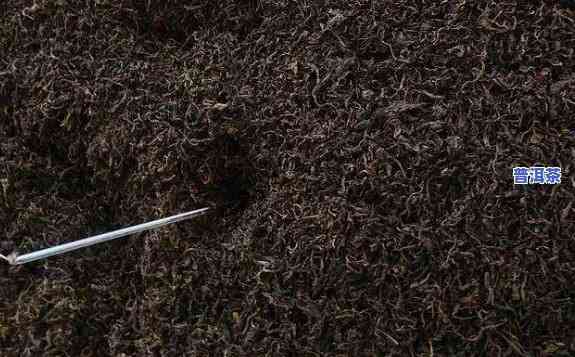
[11, 259]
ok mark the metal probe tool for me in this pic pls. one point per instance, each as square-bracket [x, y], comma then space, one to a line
[15, 259]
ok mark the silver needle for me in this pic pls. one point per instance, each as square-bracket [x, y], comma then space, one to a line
[86, 242]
